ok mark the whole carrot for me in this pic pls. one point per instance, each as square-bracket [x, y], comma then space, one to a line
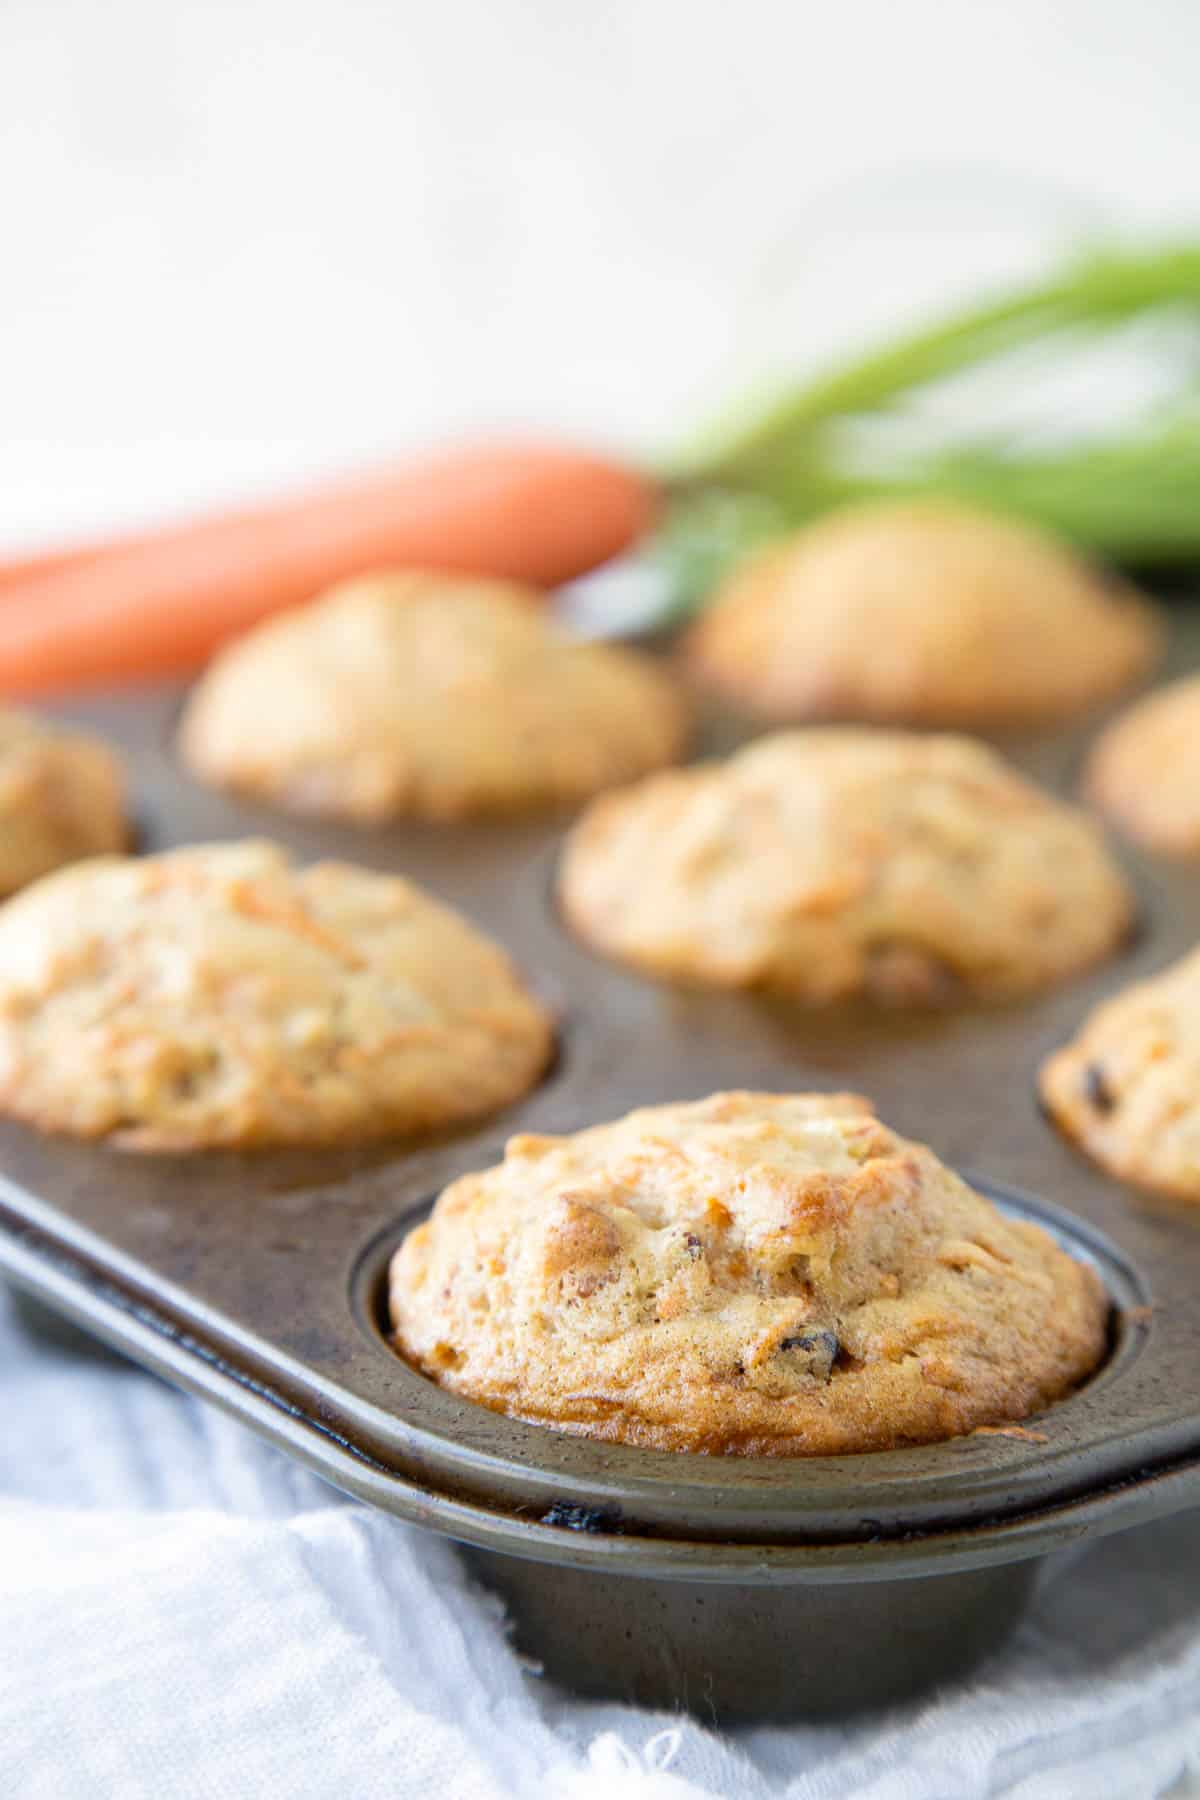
[160, 604]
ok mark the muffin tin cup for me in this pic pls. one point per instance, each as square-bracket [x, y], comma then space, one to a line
[758, 1652]
[740, 1587]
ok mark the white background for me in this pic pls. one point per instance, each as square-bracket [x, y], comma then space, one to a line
[244, 238]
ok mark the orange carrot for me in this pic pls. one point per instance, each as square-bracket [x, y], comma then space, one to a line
[20, 571]
[160, 604]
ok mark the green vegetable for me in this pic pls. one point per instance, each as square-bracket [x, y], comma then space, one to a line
[1130, 494]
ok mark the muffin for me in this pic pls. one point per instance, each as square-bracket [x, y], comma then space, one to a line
[62, 797]
[843, 861]
[1126, 1089]
[751, 1274]
[1145, 770]
[428, 695]
[922, 613]
[222, 996]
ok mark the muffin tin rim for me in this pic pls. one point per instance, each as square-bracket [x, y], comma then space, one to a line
[645, 1493]
[1160, 1489]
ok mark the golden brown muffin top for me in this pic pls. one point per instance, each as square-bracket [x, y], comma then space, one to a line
[62, 797]
[750, 1274]
[844, 860]
[431, 695]
[220, 995]
[1127, 1086]
[1144, 771]
[922, 612]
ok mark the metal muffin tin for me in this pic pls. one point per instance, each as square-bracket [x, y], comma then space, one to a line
[737, 1587]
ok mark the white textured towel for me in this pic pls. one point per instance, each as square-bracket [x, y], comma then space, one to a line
[184, 1613]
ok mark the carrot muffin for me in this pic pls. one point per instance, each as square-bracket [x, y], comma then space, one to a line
[1126, 1089]
[1145, 770]
[432, 695]
[62, 797]
[923, 613]
[751, 1274]
[222, 996]
[841, 861]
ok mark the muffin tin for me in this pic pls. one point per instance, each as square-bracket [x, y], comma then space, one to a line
[738, 1587]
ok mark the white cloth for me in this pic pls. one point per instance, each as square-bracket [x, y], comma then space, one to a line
[183, 1612]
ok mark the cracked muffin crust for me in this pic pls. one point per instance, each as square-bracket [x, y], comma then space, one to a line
[922, 612]
[1126, 1089]
[839, 861]
[750, 1274]
[1144, 771]
[220, 995]
[429, 695]
[62, 797]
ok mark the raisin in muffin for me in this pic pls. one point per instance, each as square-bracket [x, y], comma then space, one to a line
[1126, 1089]
[751, 1274]
[1144, 771]
[222, 996]
[62, 797]
[429, 695]
[922, 612]
[842, 861]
